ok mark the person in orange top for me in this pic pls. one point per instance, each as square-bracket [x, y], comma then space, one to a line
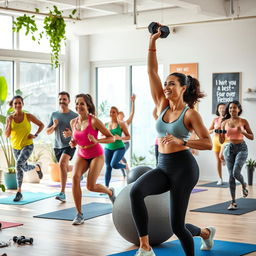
[235, 152]
[18, 128]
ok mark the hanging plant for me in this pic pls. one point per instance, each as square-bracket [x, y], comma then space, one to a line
[54, 28]
[29, 24]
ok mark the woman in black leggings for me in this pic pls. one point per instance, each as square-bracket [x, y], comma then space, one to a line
[177, 170]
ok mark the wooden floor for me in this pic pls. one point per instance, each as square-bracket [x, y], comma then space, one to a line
[98, 237]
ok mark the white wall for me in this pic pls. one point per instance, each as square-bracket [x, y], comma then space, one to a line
[217, 47]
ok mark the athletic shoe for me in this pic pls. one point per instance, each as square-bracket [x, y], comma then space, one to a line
[245, 192]
[220, 182]
[18, 197]
[79, 219]
[40, 173]
[207, 244]
[61, 196]
[232, 206]
[142, 252]
[113, 197]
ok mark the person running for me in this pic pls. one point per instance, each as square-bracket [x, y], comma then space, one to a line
[235, 152]
[18, 128]
[217, 147]
[90, 154]
[177, 170]
[60, 125]
[127, 123]
[115, 151]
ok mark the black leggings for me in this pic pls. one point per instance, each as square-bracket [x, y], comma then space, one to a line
[178, 173]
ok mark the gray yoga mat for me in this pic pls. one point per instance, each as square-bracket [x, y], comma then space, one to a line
[244, 205]
[90, 211]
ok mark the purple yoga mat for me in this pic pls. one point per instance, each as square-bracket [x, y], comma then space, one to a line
[195, 190]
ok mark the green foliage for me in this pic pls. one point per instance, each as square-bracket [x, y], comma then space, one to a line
[251, 163]
[54, 28]
[29, 24]
[51, 153]
[138, 160]
[103, 109]
[36, 154]
[2, 187]
[5, 145]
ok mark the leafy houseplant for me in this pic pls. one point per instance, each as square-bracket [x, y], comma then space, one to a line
[5, 146]
[54, 28]
[53, 167]
[250, 164]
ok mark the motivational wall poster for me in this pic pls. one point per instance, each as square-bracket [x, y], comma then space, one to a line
[185, 68]
[225, 88]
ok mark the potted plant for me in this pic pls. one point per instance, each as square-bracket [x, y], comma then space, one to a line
[5, 146]
[53, 166]
[250, 165]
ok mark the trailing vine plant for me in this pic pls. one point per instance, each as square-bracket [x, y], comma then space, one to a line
[29, 24]
[54, 28]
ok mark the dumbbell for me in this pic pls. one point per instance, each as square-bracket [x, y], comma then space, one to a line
[22, 240]
[153, 27]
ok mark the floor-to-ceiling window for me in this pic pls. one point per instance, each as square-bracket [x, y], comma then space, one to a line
[111, 90]
[33, 75]
[115, 85]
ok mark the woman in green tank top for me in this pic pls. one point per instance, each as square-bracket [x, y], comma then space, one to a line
[115, 151]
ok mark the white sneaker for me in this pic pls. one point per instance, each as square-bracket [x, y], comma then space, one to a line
[79, 219]
[207, 244]
[220, 182]
[142, 252]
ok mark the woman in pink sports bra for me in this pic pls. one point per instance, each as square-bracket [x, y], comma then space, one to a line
[235, 151]
[90, 155]
[216, 146]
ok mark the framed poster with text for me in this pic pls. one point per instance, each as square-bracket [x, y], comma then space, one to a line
[185, 68]
[225, 88]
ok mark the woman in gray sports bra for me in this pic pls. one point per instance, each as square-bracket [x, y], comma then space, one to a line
[177, 170]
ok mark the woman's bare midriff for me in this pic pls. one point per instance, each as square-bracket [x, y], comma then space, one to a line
[166, 149]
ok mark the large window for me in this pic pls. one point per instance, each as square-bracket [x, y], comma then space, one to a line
[111, 90]
[114, 87]
[6, 70]
[143, 126]
[6, 41]
[39, 84]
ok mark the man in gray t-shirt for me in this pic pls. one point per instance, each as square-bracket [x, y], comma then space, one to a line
[60, 125]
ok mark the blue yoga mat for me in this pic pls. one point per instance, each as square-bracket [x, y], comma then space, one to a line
[28, 197]
[90, 211]
[244, 205]
[220, 248]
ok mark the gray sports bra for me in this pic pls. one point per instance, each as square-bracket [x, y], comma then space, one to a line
[176, 128]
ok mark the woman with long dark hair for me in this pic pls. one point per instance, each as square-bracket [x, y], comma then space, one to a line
[177, 170]
[90, 154]
[217, 146]
[18, 128]
[235, 128]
